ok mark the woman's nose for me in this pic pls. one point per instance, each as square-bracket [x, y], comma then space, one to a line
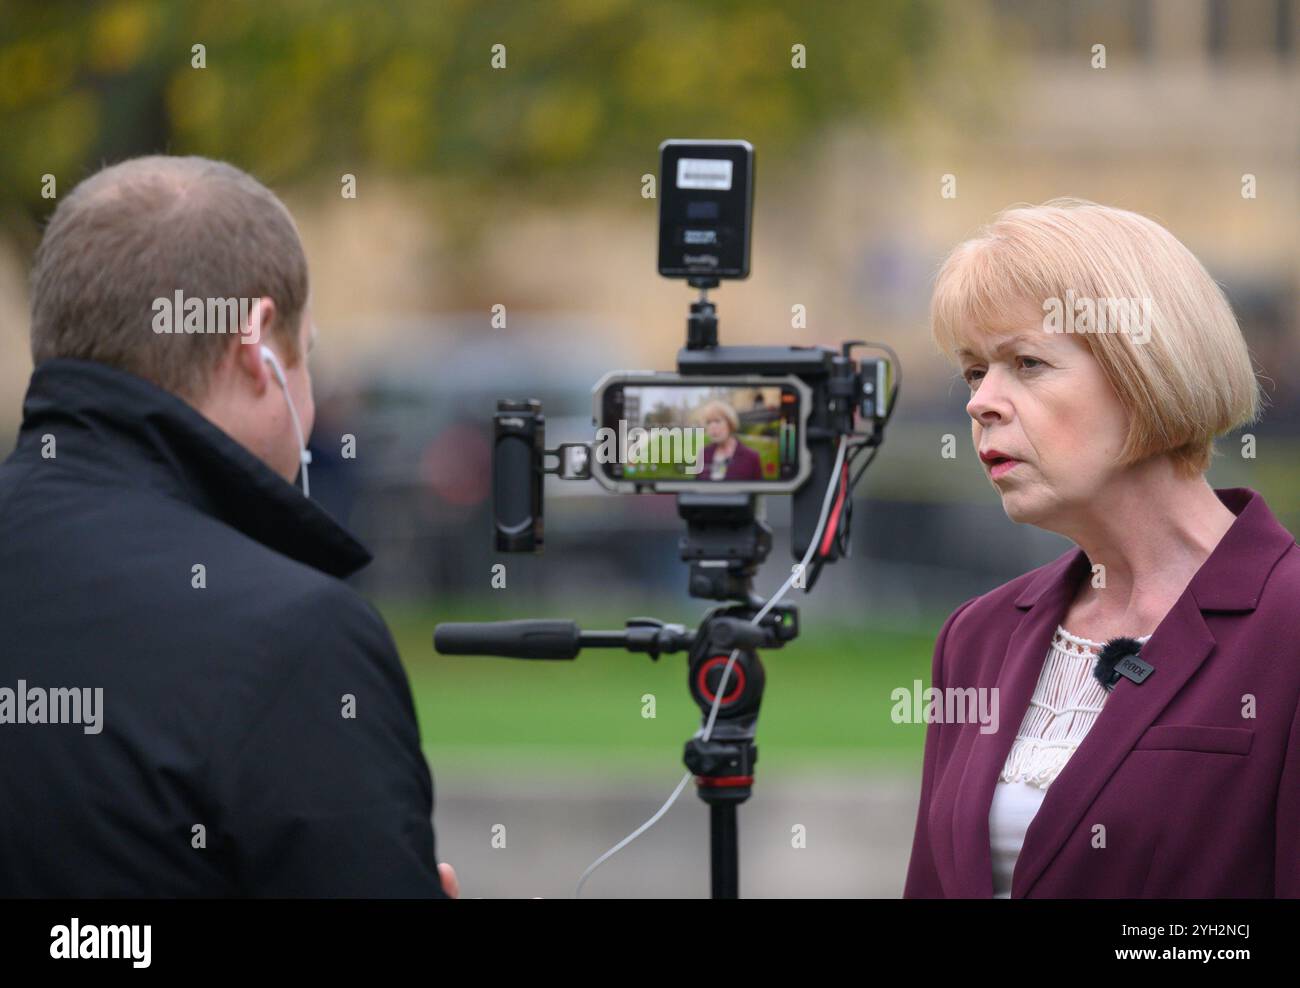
[989, 402]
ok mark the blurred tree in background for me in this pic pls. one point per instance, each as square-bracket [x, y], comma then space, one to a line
[291, 89]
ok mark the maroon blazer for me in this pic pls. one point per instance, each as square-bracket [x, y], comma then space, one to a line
[1196, 800]
[745, 463]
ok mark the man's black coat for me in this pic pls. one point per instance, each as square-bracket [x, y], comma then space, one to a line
[225, 764]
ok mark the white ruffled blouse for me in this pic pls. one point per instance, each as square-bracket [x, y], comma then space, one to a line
[1065, 704]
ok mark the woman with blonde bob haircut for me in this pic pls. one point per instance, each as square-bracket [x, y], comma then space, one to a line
[1148, 678]
[725, 457]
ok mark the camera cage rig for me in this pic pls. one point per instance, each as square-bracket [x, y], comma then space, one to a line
[727, 538]
[608, 397]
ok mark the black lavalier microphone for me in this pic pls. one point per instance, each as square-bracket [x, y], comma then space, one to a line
[1120, 658]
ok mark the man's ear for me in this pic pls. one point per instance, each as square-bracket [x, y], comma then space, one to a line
[247, 357]
[256, 328]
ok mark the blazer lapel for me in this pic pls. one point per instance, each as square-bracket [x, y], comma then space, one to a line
[1177, 647]
[1045, 602]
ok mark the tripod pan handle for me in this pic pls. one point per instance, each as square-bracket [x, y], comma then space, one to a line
[537, 639]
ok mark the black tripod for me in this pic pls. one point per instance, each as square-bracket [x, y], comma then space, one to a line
[725, 544]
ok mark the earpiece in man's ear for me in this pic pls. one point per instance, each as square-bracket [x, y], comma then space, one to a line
[268, 356]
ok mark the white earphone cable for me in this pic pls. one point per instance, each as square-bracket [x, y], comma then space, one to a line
[304, 455]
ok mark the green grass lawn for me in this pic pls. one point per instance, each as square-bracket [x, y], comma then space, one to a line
[827, 701]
